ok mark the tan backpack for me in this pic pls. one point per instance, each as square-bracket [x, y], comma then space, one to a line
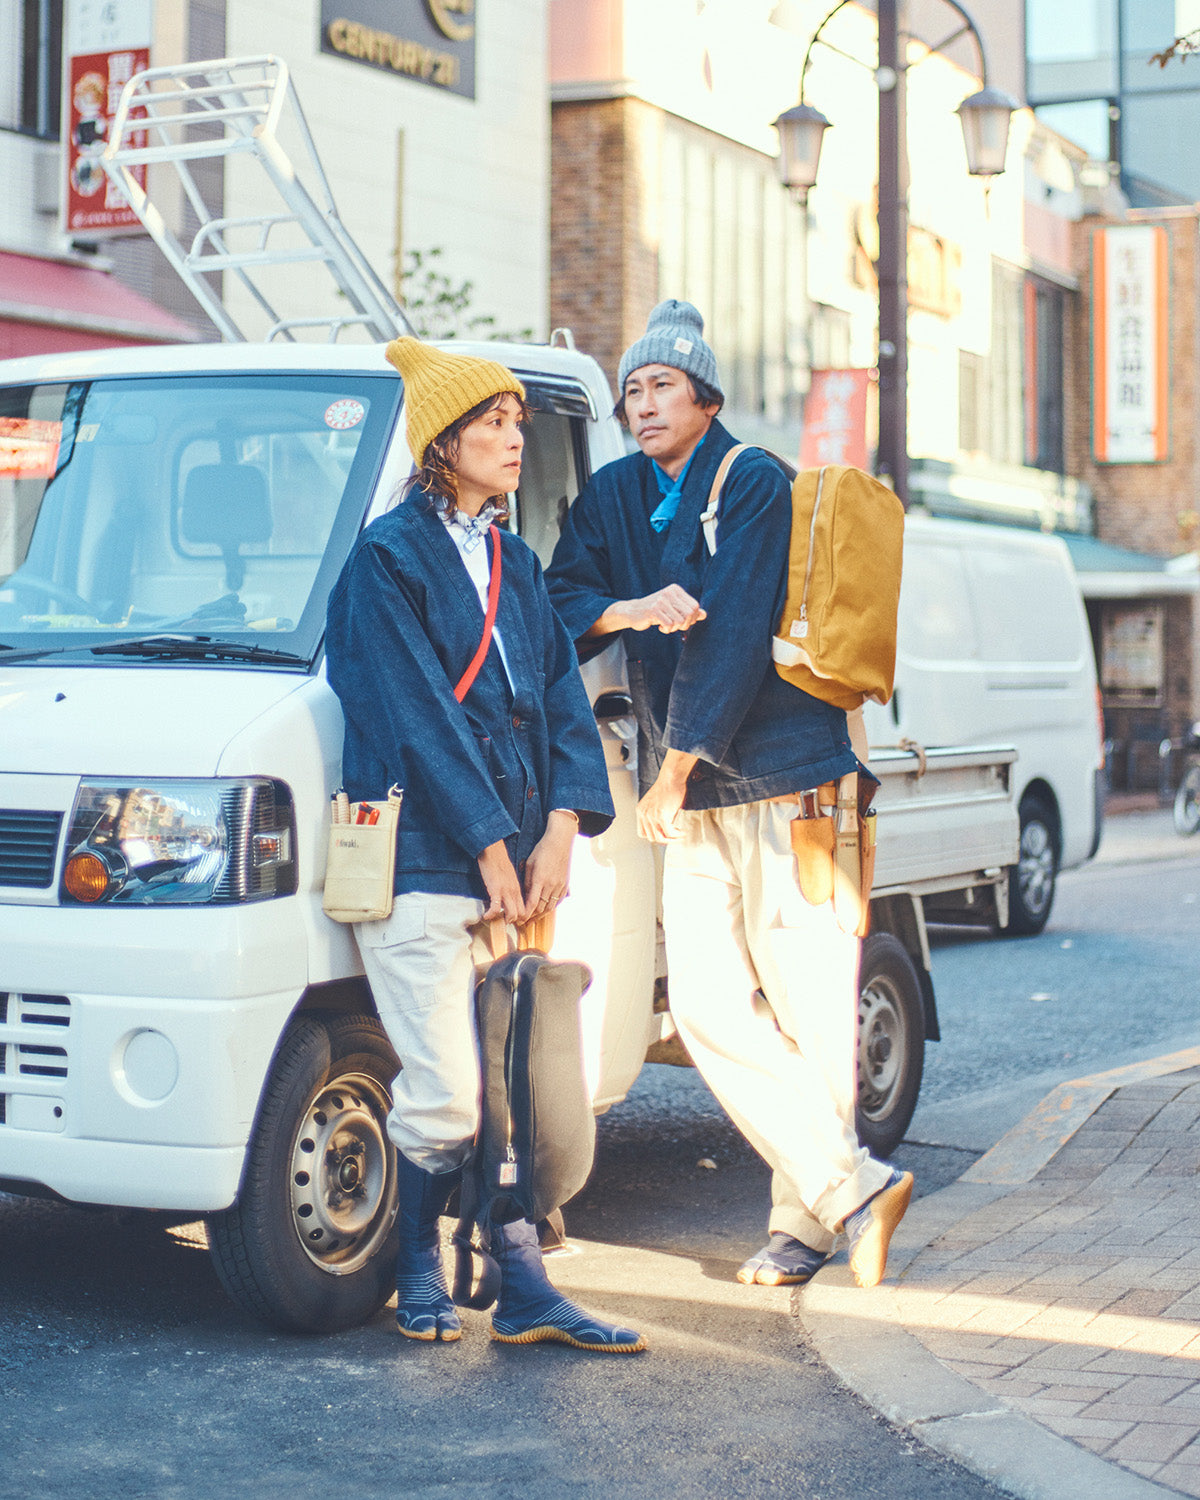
[836, 638]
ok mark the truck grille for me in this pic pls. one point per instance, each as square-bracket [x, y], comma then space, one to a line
[33, 1058]
[28, 844]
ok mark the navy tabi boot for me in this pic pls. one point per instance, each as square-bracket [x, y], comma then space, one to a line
[869, 1229]
[530, 1311]
[423, 1306]
[783, 1261]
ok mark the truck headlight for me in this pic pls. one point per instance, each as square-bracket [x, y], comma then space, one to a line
[180, 843]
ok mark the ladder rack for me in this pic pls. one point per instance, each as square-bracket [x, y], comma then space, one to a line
[234, 108]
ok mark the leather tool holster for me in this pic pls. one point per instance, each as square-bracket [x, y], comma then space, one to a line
[835, 851]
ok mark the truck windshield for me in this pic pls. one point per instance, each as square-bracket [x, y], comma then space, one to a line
[193, 506]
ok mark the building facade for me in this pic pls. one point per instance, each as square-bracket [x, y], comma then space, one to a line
[429, 117]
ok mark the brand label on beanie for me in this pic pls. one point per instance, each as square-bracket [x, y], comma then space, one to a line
[683, 346]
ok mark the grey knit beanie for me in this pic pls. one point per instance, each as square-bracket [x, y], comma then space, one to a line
[674, 336]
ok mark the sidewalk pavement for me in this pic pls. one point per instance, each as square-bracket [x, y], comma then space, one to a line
[1040, 1322]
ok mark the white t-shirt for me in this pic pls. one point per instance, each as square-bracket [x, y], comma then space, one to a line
[478, 565]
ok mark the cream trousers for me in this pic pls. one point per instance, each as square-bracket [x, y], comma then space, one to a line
[420, 964]
[764, 991]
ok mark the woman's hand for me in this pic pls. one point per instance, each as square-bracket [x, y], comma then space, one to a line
[548, 868]
[502, 885]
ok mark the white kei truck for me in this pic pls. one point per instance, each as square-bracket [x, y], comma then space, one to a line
[181, 1026]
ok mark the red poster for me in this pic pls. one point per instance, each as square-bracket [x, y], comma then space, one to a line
[835, 420]
[94, 84]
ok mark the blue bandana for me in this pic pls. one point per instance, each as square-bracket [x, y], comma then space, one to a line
[475, 526]
[670, 490]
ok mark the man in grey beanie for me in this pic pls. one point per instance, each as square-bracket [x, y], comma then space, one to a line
[763, 985]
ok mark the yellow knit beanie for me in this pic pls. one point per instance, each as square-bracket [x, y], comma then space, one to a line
[439, 387]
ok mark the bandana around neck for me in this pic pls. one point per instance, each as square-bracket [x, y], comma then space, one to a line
[475, 526]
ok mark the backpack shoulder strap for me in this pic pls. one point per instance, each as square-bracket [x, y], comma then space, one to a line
[708, 520]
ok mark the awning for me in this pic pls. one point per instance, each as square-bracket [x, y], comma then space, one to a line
[50, 305]
[1108, 572]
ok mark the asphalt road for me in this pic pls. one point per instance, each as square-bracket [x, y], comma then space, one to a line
[124, 1370]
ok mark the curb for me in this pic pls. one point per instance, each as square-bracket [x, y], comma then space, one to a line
[861, 1336]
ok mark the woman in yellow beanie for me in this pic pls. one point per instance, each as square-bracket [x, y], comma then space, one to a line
[500, 769]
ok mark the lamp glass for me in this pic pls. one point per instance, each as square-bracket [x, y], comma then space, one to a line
[801, 130]
[985, 118]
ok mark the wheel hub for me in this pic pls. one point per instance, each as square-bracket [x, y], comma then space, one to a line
[343, 1184]
[880, 1053]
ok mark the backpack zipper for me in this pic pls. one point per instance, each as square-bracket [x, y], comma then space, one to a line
[800, 626]
[508, 1167]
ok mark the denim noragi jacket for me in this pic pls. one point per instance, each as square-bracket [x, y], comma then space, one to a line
[714, 693]
[404, 621]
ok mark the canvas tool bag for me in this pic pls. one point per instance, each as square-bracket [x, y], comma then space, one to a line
[836, 637]
[537, 1133]
[360, 862]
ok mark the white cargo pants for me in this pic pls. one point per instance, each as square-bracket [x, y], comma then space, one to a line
[420, 964]
[764, 991]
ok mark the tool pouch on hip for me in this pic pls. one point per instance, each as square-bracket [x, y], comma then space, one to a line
[360, 864]
[835, 858]
[813, 846]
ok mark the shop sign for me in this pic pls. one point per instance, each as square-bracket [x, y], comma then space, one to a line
[1130, 370]
[108, 41]
[429, 41]
[1131, 665]
[835, 419]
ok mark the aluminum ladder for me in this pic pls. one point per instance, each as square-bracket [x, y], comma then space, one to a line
[230, 108]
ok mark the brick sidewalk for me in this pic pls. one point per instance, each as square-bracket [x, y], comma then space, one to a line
[1075, 1298]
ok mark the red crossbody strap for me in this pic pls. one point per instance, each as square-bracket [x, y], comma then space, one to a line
[493, 599]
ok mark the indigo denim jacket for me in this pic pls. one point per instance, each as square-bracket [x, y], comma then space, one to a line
[404, 621]
[714, 693]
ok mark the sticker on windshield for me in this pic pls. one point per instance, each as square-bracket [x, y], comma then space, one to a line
[28, 448]
[344, 414]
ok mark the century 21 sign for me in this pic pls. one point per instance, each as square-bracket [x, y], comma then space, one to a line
[429, 41]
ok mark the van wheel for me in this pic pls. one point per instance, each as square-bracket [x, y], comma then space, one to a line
[1031, 881]
[891, 1043]
[310, 1245]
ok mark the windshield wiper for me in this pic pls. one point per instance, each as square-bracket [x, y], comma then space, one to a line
[19, 655]
[197, 648]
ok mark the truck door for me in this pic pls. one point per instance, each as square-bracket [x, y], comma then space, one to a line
[609, 918]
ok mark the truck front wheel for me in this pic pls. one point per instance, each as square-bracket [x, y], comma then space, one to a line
[891, 1043]
[310, 1244]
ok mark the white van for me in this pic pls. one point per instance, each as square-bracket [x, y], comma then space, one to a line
[994, 648]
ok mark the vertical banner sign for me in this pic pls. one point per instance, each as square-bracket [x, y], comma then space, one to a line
[835, 420]
[107, 42]
[1130, 353]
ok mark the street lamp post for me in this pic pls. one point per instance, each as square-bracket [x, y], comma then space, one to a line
[985, 120]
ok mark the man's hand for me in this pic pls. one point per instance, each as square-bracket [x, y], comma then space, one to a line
[656, 813]
[548, 868]
[670, 609]
[502, 885]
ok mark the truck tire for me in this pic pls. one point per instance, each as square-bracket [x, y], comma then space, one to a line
[1187, 801]
[310, 1245]
[891, 1043]
[1033, 878]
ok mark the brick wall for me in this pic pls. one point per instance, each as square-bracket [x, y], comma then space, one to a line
[1147, 507]
[604, 259]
